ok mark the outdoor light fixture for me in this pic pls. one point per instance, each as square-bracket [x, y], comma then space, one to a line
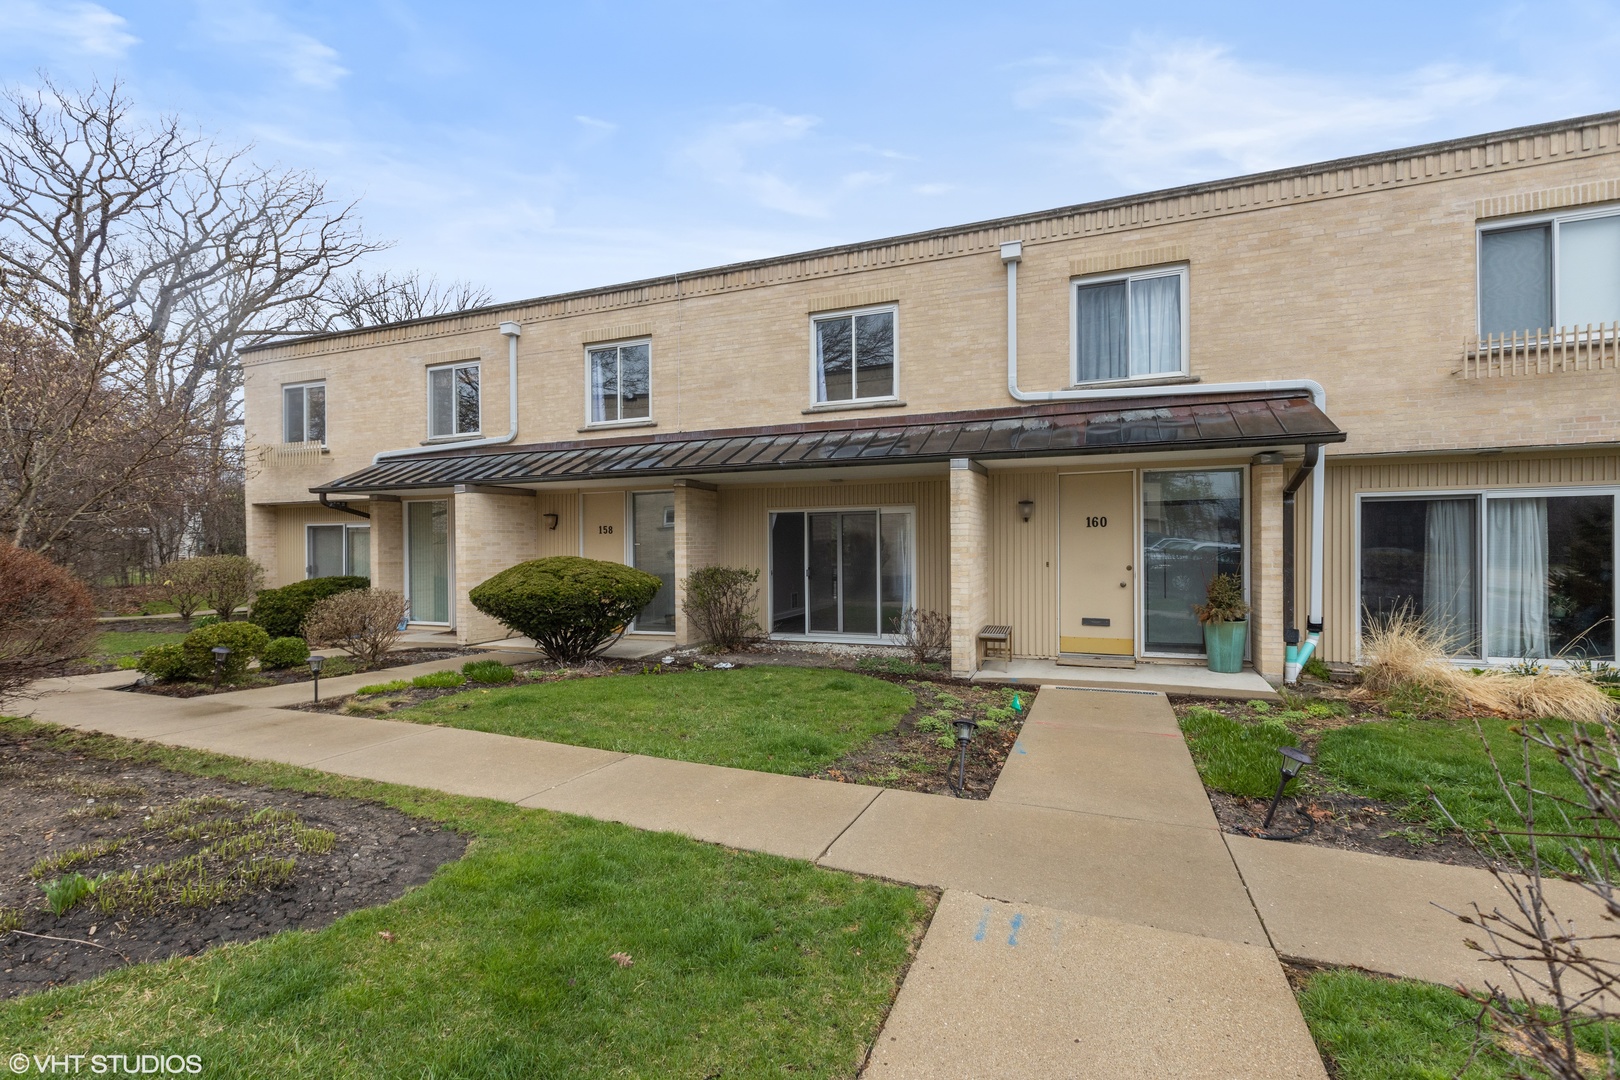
[315, 662]
[1026, 508]
[551, 520]
[965, 729]
[1293, 760]
[220, 653]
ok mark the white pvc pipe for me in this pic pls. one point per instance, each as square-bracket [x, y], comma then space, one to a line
[1012, 253]
[513, 331]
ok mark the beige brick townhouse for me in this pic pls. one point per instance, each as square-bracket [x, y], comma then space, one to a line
[1400, 369]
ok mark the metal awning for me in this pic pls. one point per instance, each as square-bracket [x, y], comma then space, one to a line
[1161, 423]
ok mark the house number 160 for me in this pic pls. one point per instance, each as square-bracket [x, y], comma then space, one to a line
[1096, 523]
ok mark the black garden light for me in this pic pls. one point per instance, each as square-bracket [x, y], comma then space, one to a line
[220, 653]
[315, 662]
[966, 728]
[1293, 760]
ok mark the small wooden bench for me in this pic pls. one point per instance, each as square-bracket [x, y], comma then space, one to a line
[998, 640]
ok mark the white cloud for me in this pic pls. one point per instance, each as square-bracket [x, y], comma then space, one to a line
[306, 59]
[726, 154]
[82, 28]
[933, 189]
[601, 127]
[1163, 114]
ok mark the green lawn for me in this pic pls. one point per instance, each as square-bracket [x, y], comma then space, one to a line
[112, 643]
[1387, 1029]
[770, 719]
[743, 964]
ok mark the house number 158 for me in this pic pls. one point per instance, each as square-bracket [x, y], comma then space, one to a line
[1096, 523]
[605, 530]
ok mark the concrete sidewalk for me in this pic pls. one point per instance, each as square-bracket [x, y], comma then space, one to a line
[1098, 823]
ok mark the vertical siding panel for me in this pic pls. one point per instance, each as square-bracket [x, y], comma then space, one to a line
[1023, 560]
[290, 550]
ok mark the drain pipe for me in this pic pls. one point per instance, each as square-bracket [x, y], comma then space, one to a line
[1011, 254]
[513, 331]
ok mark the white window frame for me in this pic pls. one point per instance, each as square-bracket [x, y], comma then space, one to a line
[634, 421]
[880, 638]
[1135, 274]
[833, 404]
[1482, 496]
[453, 368]
[305, 387]
[1508, 224]
[309, 541]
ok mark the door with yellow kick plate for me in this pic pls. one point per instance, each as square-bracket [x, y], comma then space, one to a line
[1096, 564]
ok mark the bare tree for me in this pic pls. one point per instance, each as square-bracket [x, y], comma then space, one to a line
[360, 299]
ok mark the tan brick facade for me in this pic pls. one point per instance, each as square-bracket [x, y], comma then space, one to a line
[697, 543]
[970, 540]
[492, 532]
[1264, 572]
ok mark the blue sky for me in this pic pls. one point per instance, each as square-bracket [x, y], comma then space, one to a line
[540, 148]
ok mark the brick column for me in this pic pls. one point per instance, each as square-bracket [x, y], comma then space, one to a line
[970, 553]
[697, 544]
[387, 544]
[261, 543]
[1265, 570]
[494, 528]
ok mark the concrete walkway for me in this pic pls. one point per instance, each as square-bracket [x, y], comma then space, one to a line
[1095, 920]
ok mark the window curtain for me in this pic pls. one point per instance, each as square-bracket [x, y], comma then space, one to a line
[1448, 572]
[604, 386]
[1516, 578]
[1156, 325]
[1101, 326]
[1589, 271]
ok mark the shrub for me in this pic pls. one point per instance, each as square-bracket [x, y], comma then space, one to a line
[284, 652]
[246, 642]
[392, 686]
[722, 602]
[439, 680]
[362, 622]
[1223, 600]
[572, 607]
[183, 583]
[165, 663]
[46, 617]
[925, 634]
[487, 671]
[229, 581]
[282, 611]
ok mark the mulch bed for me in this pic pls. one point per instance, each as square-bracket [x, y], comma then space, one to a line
[299, 674]
[53, 801]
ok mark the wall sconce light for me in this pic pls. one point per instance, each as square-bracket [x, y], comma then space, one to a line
[1026, 508]
[551, 520]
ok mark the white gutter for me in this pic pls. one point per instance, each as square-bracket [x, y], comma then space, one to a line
[1011, 254]
[513, 331]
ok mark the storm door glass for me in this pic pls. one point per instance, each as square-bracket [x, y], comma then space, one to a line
[653, 542]
[427, 581]
[359, 563]
[1192, 529]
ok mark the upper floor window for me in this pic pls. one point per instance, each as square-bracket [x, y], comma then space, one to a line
[453, 400]
[855, 355]
[303, 413]
[1555, 272]
[621, 382]
[1130, 326]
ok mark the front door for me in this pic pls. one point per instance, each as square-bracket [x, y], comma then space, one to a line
[1096, 564]
[602, 526]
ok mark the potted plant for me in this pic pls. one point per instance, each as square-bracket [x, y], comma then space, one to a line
[1226, 628]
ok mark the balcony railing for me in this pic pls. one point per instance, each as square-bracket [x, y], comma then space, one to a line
[1566, 350]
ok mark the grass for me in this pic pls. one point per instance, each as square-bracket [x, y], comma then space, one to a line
[502, 965]
[1233, 756]
[770, 719]
[1387, 1029]
[115, 643]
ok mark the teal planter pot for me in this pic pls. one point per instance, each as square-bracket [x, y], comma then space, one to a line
[1224, 642]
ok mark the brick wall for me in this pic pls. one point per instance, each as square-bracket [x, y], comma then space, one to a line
[970, 549]
[1265, 581]
[492, 532]
[697, 544]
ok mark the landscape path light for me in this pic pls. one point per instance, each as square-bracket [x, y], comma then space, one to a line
[965, 729]
[220, 653]
[315, 662]
[1293, 760]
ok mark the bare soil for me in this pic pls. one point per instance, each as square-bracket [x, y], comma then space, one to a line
[54, 800]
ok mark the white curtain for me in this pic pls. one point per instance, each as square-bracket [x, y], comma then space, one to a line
[1100, 324]
[1448, 572]
[1156, 325]
[1516, 578]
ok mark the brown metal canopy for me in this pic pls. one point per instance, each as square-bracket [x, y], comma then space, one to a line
[1237, 421]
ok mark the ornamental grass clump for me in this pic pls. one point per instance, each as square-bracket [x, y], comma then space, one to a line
[571, 607]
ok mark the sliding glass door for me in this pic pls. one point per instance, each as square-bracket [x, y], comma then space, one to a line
[427, 560]
[844, 572]
[1420, 557]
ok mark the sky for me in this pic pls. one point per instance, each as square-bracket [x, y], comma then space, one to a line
[544, 147]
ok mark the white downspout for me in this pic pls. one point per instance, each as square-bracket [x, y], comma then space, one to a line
[513, 331]
[1011, 254]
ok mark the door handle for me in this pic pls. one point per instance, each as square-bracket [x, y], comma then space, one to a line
[1123, 585]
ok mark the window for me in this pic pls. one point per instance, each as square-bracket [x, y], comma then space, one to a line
[855, 356]
[1499, 575]
[840, 571]
[621, 382]
[303, 413]
[1562, 272]
[334, 550]
[453, 400]
[1130, 326]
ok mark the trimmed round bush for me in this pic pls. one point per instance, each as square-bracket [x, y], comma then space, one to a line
[165, 663]
[573, 608]
[246, 642]
[282, 611]
[284, 652]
